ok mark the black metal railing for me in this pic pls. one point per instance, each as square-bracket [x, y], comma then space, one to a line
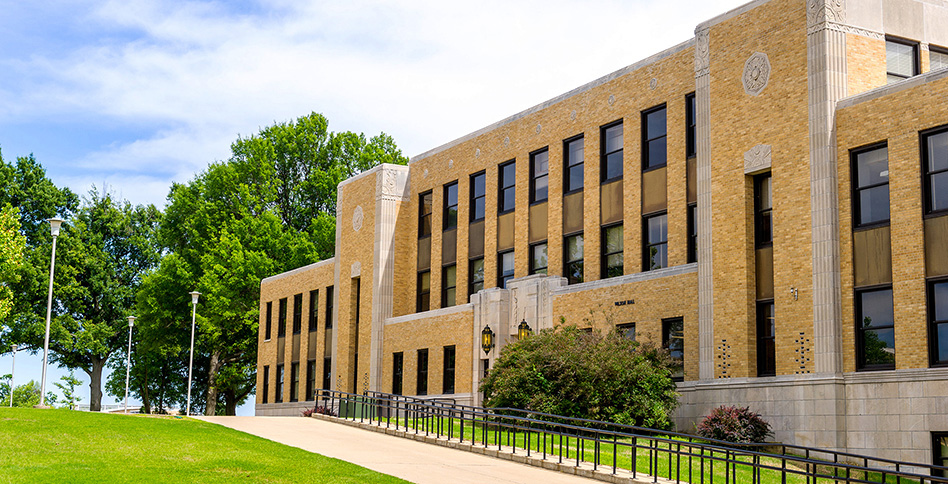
[616, 448]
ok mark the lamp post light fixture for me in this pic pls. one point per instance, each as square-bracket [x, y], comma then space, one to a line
[487, 339]
[523, 330]
[54, 224]
[12, 372]
[128, 358]
[194, 305]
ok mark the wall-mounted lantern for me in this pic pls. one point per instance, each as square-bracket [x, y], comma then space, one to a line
[487, 339]
[523, 331]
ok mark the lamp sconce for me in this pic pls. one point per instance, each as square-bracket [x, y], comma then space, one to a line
[795, 293]
[523, 331]
[487, 339]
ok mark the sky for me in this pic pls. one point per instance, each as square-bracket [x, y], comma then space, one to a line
[133, 95]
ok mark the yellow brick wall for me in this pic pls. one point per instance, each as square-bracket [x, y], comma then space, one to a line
[433, 333]
[865, 63]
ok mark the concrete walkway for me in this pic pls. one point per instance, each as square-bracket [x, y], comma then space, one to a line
[410, 460]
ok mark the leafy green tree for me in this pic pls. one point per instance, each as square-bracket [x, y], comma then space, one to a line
[68, 387]
[569, 372]
[28, 395]
[12, 244]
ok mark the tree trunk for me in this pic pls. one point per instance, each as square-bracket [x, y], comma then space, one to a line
[95, 384]
[213, 368]
[230, 403]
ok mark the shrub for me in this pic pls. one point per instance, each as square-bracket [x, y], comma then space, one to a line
[734, 424]
[322, 410]
[308, 412]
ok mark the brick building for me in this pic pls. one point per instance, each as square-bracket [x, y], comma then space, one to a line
[768, 199]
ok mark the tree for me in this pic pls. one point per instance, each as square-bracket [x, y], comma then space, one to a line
[27, 395]
[68, 387]
[12, 244]
[569, 372]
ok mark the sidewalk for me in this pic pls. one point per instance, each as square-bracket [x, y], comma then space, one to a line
[410, 460]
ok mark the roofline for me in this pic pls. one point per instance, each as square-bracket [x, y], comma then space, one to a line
[881, 91]
[298, 270]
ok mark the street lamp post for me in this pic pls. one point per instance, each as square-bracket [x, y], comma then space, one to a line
[194, 305]
[54, 224]
[128, 358]
[12, 372]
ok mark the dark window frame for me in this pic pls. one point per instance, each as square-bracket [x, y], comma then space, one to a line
[534, 177]
[298, 313]
[535, 269]
[421, 372]
[927, 174]
[604, 155]
[448, 372]
[647, 244]
[475, 197]
[281, 319]
[933, 324]
[763, 217]
[310, 380]
[856, 189]
[691, 126]
[938, 50]
[471, 289]
[937, 458]
[861, 364]
[766, 344]
[692, 232]
[667, 331]
[398, 375]
[423, 216]
[327, 372]
[266, 383]
[625, 329]
[502, 188]
[569, 164]
[295, 381]
[446, 218]
[420, 294]
[313, 310]
[646, 140]
[280, 374]
[445, 287]
[330, 290]
[604, 256]
[503, 277]
[916, 57]
[268, 322]
[567, 262]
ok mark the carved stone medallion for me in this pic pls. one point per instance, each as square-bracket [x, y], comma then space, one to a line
[756, 73]
[357, 217]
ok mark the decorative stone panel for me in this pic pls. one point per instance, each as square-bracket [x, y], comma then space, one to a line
[757, 160]
[756, 73]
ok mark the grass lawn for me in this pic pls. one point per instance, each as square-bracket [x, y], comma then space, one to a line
[68, 446]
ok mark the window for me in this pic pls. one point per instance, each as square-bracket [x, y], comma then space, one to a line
[656, 242]
[938, 322]
[397, 367]
[935, 167]
[477, 275]
[940, 453]
[478, 192]
[311, 380]
[505, 268]
[539, 175]
[692, 232]
[763, 207]
[654, 149]
[450, 206]
[573, 164]
[279, 388]
[329, 303]
[612, 247]
[611, 162]
[573, 257]
[901, 59]
[447, 385]
[937, 58]
[266, 384]
[870, 187]
[627, 330]
[691, 126]
[421, 377]
[424, 291]
[506, 200]
[673, 339]
[313, 308]
[424, 214]
[294, 381]
[297, 314]
[449, 277]
[766, 330]
[875, 329]
[281, 319]
[269, 320]
[327, 373]
[538, 258]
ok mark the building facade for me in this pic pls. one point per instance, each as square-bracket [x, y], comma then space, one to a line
[768, 199]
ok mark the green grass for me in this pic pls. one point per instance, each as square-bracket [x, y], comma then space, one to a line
[66, 446]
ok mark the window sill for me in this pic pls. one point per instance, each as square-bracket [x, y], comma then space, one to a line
[876, 368]
[611, 180]
[653, 168]
[874, 225]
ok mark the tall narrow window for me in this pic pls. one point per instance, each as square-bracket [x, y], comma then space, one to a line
[506, 198]
[327, 373]
[313, 309]
[937, 58]
[329, 304]
[266, 384]
[477, 275]
[870, 187]
[397, 367]
[935, 167]
[539, 175]
[654, 129]
[450, 206]
[424, 214]
[763, 207]
[447, 386]
[938, 322]
[766, 331]
[901, 59]
[279, 388]
[611, 162]
[449, 278]
[612, 247]
[656, 242]
[269, 320]
[421, 375]
[297, 314]
[281, 319]
[940, 453]
[294, 382]
[573, 257]
[311, 380]
[573, 177]
[673, 338]
[538, 260]
[424, 291]
[478, 192]
[505, 268]
[691, 126]
[875, 329]
[692, 232]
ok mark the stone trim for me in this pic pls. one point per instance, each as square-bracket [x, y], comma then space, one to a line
[298, 270]
[283, 409]
[896, 376]
[757, 159]
[434, 313]
[881, 91]
[759, 382]
[627, 279]
[734, 12]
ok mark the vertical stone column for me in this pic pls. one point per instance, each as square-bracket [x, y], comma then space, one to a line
[491, 308]
[391, 190]
[826, 65]
[703, 145]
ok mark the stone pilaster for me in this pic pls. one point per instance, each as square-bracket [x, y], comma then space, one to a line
[703, 144]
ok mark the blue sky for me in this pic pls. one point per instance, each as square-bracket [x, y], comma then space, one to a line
[136, 94]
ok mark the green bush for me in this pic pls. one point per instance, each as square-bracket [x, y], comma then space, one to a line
[569, 372]
[734, 424]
